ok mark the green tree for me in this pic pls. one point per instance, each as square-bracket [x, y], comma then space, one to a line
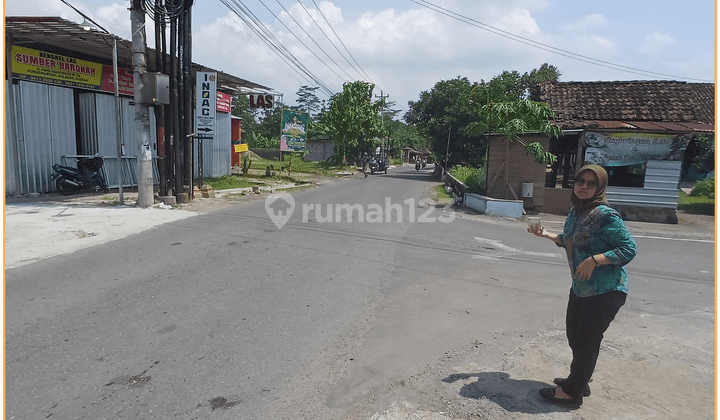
[241, 108]
[443, 112]
[401, 135]
[269, 126]
[307, 100]
[352, 120]
[512, 86]
[515, 118]
[546, 73]
[705, 160]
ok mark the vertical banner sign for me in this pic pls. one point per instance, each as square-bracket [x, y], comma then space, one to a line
[205, 103]
[294, 130]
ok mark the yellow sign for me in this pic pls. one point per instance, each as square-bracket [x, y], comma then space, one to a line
[239, 148]
[54, 68]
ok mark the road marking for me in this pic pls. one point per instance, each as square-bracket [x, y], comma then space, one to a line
[497, 245]
[705, 241]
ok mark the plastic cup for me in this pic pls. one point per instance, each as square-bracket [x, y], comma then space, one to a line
[533, 221]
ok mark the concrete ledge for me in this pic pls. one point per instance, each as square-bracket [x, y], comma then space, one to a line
[494, 206]
[647, 214]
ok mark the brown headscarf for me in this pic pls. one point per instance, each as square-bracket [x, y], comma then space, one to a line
[599, 197]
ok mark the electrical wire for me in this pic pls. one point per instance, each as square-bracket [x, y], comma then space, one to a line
[313, 40]
[331, 42]
[341, 42]
[299, 40]
[291, 70]
[168, 10]
[542, 46]
[254, 24]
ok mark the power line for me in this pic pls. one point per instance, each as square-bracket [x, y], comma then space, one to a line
[542, 46]
[329, 40]
[342, 43]
[281, 63]
[254, 24]
[313, 40]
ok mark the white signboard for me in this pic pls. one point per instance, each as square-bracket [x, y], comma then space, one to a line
[623, 149]
[206, 94]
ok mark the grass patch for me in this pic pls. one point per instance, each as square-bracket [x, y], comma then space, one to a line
[298, 165]
[442, 196]
[700, 204]
[227, 182]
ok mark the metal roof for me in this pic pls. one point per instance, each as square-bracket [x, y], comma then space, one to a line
[61, 36]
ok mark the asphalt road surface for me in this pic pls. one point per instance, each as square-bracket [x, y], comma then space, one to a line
[346, 301]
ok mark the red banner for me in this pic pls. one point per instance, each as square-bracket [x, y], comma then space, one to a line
[223, 102]
[125, 81]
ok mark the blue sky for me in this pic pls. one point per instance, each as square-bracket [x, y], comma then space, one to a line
[405, 48]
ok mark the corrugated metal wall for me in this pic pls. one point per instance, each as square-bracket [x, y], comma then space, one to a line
[46, 131]
[99, 135]
[46, 134]
[661, 187]
[217, 151]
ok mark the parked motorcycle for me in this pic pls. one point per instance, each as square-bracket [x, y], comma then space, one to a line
[88, 174]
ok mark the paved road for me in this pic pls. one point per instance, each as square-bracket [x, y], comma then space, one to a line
[225, 315]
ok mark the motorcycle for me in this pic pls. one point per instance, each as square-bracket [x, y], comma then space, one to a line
[88, 174]
[382, 163]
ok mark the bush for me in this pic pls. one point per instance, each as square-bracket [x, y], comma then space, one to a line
[705, 187]
[474, 178]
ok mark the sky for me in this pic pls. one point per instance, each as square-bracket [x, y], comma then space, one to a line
[404, 47]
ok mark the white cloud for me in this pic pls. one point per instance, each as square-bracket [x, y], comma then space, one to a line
[586, 23]
[116, 19]
[656, 44]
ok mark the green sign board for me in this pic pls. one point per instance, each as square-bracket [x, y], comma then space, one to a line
[293, 131]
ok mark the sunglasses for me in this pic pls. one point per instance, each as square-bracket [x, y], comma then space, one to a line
[591, 183]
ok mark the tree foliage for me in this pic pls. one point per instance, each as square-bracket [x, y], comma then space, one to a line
[307, 100]
[352, 121]
[705, 160]
[515, 118]
[469, 111]
[241, 109]
[443, 112]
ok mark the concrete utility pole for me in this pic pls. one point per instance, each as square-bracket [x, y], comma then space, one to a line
[142, 110]
[382, 112]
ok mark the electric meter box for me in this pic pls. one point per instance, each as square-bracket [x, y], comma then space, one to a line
[156, 88]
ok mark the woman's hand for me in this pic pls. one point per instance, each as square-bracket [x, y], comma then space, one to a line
[538, 230]
[585, 269]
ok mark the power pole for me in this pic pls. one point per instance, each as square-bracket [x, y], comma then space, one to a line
[382, 110]
[142, 110]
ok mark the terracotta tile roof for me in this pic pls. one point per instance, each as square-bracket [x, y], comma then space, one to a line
[647, 105]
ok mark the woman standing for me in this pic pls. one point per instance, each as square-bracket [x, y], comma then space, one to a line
[598, 246]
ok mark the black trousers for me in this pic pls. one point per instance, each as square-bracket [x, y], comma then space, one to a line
[586, 320]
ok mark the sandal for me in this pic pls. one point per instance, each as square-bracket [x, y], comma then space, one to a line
[561, 383]
[549, 394]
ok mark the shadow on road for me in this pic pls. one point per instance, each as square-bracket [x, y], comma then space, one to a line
[514, 395]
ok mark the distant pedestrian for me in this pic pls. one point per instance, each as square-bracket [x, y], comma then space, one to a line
[598, 247]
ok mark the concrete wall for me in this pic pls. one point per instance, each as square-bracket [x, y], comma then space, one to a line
[493, 206]
[319, 150]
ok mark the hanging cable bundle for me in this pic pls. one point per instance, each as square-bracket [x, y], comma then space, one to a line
[166, 10]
